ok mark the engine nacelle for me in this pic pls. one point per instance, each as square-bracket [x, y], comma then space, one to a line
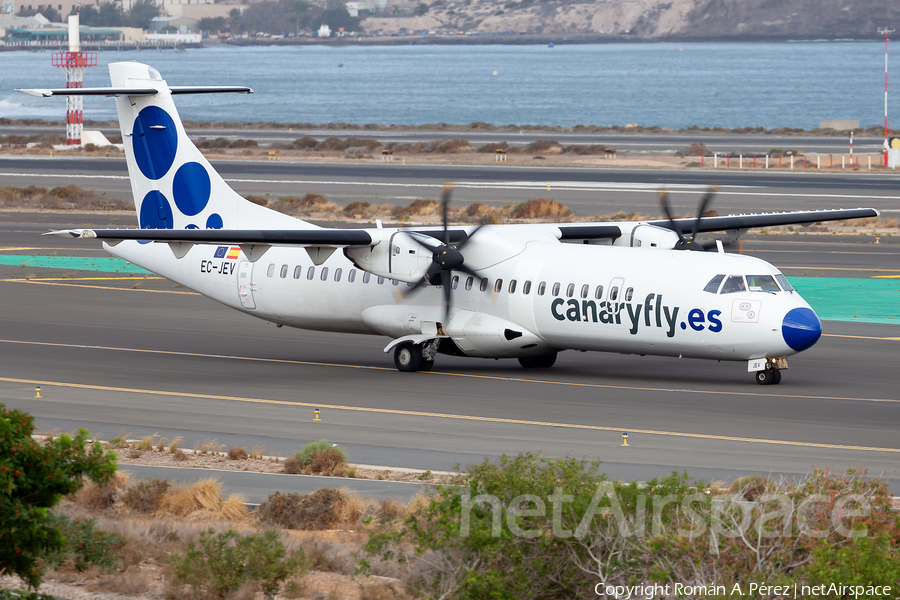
[397, 256]
[643, 235]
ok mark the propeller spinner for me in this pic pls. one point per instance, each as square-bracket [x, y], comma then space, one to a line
[444, 258]
[683, 242]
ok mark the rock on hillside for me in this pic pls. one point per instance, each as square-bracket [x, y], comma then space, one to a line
[645, 19]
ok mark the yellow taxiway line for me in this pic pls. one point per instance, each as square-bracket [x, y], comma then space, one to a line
[861, 337]
[102, 287]
[415, 413]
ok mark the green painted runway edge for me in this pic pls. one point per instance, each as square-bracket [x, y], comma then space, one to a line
[77, 263]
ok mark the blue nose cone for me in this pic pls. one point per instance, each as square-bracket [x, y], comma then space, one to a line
[801, 328]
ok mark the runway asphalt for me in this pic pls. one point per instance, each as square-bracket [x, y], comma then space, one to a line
[587, 191]
[160, 359]
[632, 142]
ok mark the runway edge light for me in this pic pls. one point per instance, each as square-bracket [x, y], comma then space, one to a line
[317, 416]
[625, 438]
[37, 391]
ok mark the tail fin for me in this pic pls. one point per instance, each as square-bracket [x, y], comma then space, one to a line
[174, 186]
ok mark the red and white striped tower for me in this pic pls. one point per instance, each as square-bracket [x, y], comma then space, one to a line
[886, 32]
[73, 63]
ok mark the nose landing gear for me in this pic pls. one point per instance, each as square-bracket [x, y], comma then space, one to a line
[768, 377]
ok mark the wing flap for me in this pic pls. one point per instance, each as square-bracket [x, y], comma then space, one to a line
[270, 237]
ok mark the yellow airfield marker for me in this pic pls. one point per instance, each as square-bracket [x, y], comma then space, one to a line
[37, 392]
[625, 439]
[317, 416]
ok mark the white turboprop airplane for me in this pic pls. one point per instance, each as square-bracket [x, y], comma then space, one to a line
[518, 291]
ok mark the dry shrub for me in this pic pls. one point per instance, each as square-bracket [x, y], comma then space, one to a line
[540, 208]
[147, 496]
[695, 149]
[492, 148]
[174, 444]
[357, 208]
[357, 152]
[389, 509]
[257, 451]
[582, 149]
[622, 216]
[481, 213]
[131, 582]
[206, 496]
[310, 203]
[161, 444]
[750, 487]
[322, 509]
[543, 147]
[424, 207]
[146, 443]
[304, 143]
[237, 453]
[295, 588]
[293, 466]
[455, 146]
[242, 143]
[97, 498]
[179, 455]
[380, 590]
[257, 200]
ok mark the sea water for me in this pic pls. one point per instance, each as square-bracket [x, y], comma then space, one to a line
[671, 85]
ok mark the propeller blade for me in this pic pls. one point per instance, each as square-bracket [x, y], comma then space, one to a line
[417, 287]
[469, 238]
[445, 208]
[664, 201]
[448, 293]
[468, 271]
[704, 203]
[426, 241]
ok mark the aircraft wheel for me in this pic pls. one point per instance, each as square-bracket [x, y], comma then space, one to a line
[777, 377]
[426, 365]
[549, 360]
[765, 377]
[408, 357]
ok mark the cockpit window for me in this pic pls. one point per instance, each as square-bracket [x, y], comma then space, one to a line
[713, 286]
[762, 283]
[734, 283]
[785, 284]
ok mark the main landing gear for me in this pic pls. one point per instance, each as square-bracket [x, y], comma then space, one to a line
[768, 377]
[415, 357]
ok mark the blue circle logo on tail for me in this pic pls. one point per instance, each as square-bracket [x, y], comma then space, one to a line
[154, 140]
[801, 328]
[156, 212]
[214, 221]
[191, 188]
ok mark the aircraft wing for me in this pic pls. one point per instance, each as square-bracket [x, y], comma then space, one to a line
[736, 222]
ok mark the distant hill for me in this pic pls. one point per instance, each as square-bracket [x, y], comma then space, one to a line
[646, 19]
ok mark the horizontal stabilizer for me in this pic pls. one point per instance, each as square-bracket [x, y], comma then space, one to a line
[273, 237]
[115, 92]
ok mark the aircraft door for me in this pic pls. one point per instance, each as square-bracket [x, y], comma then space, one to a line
[521, 301]
[615, 294]
[245, 284]
[407, 256]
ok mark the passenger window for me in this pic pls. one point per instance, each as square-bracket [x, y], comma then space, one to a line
[542, 287]
[271, 270]
[762, 283]
[284, 271]
[324, 273]
[311, 273]
[454, 283]
[337, 274]
[484, 284]
[469, 283]
[298, 271]
[599, 293]
[366, 277]
[785, 284]
[570, 290]
[629, 294]
[584, 290]
[733, 284]
[498, 285]
[614, 293]
[526, 288]
[380, 280]
[512, 286]
[351, 276]
[713, 286]
[555, 290]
